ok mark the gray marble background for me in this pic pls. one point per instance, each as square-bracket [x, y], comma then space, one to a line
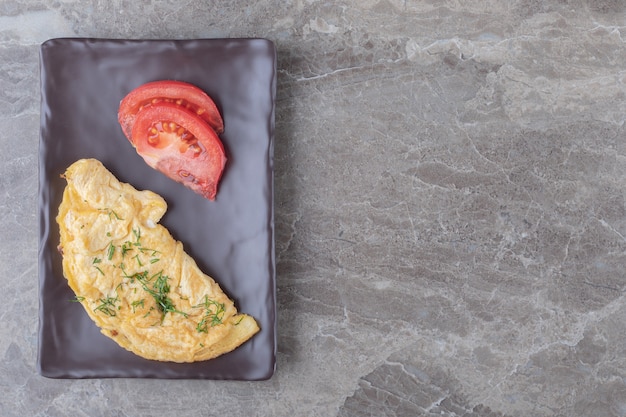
[451, 223]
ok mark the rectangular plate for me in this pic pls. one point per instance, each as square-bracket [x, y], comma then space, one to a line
[231, 239]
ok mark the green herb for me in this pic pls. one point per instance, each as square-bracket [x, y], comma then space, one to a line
[136, 276]
[159, 290]
[137, 233]
[137, 303]
[111, 213]
[107, 306]
[126, 247]
[77, 299]
[153, 253]
[139, 276]
[95, 262]
[156, 285]
[213, 314]
[138, 260]
[110, 251]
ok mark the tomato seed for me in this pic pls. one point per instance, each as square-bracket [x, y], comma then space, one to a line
[169, 127]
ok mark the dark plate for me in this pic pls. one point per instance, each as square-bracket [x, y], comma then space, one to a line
[231, 239]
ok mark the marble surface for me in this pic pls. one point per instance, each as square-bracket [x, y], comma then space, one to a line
[451, 223]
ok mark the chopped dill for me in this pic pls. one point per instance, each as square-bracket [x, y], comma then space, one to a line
[154, 252]
[112, 214]
[213, 314]
[110, 251]
[159, 290]
[137, 233]
[136, 257]
[107, 306]
[137, 303]
[126, 247]
[148, 313]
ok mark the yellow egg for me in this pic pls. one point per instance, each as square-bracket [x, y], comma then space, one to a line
[134, 279]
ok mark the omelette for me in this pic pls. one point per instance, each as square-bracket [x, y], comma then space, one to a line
[133, 279]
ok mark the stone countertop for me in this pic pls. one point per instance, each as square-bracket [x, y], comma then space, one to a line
[449, 207]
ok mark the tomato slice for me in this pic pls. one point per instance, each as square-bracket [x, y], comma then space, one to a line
[179, 93]
[174, 141]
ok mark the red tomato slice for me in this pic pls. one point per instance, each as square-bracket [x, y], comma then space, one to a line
[177, 143]
[180, 93]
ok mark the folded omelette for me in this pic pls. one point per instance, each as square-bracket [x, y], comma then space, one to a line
[134, 279]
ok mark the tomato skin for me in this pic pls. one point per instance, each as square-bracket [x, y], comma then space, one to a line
[195, 158]
[169, 90]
